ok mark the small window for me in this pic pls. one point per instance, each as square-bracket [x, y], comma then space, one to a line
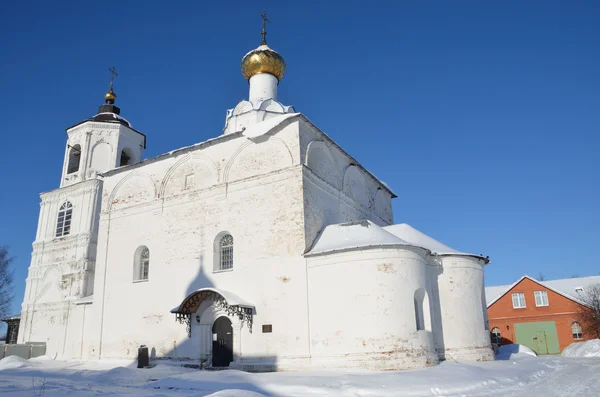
[226, 252]
[267, 328]
[496, 336]
[74, 157]
[141, 264]
[518, 300]
[541, 298]
[63, 224]
[577, 331]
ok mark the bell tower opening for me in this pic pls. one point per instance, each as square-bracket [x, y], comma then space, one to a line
[74, 159]
[126, 158]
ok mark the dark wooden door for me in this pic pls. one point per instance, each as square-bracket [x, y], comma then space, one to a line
[222, 353]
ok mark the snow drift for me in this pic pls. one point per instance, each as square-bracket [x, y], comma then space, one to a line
[507, 352]
[12, 362]
[591, 348]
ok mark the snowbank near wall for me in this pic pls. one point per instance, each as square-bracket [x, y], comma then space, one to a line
[12, 362]
[507, 352]
[590, 348]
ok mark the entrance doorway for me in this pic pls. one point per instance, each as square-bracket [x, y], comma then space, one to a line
[222, 351]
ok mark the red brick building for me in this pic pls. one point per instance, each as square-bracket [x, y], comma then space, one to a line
[542, 315]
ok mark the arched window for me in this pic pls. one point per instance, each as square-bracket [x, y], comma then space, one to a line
[225, 252]
[63, 224]
[496, 336]
[577, 331]
[74, 157]
[422, 317]
[141, 264]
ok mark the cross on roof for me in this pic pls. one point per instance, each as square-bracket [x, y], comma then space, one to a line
[263, 15]
[113, 73]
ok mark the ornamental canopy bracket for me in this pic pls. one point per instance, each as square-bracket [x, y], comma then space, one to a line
[230, 303]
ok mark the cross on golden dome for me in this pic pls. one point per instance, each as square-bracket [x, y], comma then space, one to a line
[263, 59]
[110, 97]
[263, 15]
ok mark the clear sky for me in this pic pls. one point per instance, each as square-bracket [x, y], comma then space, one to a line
[483, 117]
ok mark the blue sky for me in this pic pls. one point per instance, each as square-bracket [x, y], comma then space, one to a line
[483, 117]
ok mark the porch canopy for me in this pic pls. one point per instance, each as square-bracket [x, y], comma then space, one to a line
[229, 302]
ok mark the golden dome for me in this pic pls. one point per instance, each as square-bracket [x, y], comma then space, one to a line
[263, 60]
[110, 96]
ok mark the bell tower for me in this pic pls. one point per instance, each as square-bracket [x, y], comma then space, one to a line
[62, 270]
[102, 142]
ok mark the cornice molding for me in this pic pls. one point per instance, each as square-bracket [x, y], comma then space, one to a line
[77, 189]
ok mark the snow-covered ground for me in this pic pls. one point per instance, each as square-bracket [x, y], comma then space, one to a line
[520, 374]
[591, 348]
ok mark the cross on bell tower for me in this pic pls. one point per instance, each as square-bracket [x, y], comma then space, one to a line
[110, 97]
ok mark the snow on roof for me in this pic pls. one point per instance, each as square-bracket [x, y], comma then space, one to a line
[573, 288]
[262, 128]
[114, 116]
[352, 235]
[13, 317]
[262, 47]
[419, 239]
[408, 233]
[365, 233]
[493, 292]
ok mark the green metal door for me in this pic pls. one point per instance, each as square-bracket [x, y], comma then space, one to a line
[541, 337]
[540, 341]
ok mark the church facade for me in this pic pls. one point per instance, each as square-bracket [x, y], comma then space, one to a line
[265, 248]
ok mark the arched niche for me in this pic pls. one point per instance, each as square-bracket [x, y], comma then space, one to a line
[383, 205]
[271, 105]
[189, 174]
[50, 290]
[354, 185]
[258, 158]
[135, 189]
[242, 107]
[320, 160]
[101, 154]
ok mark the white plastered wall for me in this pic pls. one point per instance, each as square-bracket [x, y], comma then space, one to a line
[62, 268]
[176, 206]
[465, 334]
[362, 312]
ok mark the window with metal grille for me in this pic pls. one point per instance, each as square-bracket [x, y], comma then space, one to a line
[496, 336]
[145, 264]
[226, 252]
[141, 264]
[577, 331]
[541, 298]
[63, 224]
[518, 300]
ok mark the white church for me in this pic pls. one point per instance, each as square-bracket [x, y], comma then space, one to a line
[267, 247]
